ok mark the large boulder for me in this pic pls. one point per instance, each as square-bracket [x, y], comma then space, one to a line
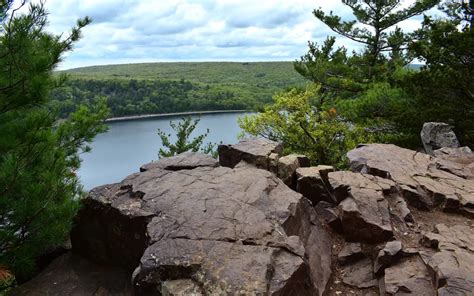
[287, 167]
[312, 183]
[425, 181]
[259, 152]
[220, 230]
[436, 135]
[184, 161]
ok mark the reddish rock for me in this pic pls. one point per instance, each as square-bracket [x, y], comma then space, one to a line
[256, 151]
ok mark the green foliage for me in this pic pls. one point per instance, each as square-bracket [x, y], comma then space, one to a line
[444, 88]
[38, 154]
[183, 143]
[296, 120]
[176, 87]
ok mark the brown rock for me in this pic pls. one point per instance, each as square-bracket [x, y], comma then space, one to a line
[326, 213]
[360, 274]
[181, 287]
[425, 181]
[183, 161]
[409, 277]
[287, 166]
[364, 213]
[387, 256]
[253, 151]
[350, 252]
[312, 183]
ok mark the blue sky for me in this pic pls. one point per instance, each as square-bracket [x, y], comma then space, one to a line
[132, 31]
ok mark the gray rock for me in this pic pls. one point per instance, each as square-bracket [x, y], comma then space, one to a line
[436, 135]
[326, 213]
[255, 151]
[183, 161]
[287, 166]
[409, 277]
[388, 255]
[312, 183]
[180, 288]
[360, 274]
[350, 252]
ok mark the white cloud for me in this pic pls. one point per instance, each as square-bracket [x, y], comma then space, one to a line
[125, 31]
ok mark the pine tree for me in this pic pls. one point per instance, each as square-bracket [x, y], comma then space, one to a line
[39, 189]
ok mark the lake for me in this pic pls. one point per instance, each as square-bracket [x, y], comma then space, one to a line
[128, 144]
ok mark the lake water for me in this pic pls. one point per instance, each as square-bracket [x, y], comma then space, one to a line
[128, 144]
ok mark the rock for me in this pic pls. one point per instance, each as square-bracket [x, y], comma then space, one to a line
[387, 256]
[436, 135]
[409, 277]
[180, 287]
[360, 274]
[425, 182]
[70, 274]
[450, 238]
[401, 210]
[326, 213]
[454, 272]
[311, 182]
[229, 230]
[287, 166]
[183, 161]
[253, 151]
[350, 252]
[364, 212]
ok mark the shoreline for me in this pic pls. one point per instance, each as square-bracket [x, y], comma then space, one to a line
[158, 115]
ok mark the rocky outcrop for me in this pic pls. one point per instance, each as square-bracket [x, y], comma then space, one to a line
[287, 167]
[261, 153]
[222, 230]
[399, 223]
[436, 135]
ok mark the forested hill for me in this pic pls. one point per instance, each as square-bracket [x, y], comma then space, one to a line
[134, 89]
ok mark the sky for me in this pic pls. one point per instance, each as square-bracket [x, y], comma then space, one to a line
[135, 31]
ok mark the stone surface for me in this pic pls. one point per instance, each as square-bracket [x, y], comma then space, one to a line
[436, 135]
[230, 230]
[360, 274]
[287, 166]
[388, 255]
[180, 288]
[327, 214]
[72, 275]
[364, 211]
[350, 252]
[183, 161]
[424, 181]
[256, 151]
[312, 183]
[409, 277]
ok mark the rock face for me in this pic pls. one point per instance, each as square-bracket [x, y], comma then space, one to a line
[260, 152]
[221, 230]
[425, 182]
[436, 135]
[399, 223]
[287, 167]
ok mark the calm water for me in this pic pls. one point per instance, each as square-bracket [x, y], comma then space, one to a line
[128, 144]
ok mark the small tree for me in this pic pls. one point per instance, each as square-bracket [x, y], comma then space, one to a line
[183, 131]
[296, 120]
[39, 189]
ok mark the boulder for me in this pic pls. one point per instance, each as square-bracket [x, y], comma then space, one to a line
[256, 151]
[326, 214]
[409, 277]
[424, 181]
[436, 135]
[388, 255]
[364, 211]
[312, 183]
[224, 230]
[287, 166]
[360, 274]
[183, 161]
[350, 252]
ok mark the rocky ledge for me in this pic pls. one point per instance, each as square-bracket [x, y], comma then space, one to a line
[257, 223]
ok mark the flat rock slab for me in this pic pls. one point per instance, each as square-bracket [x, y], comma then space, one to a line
[183, 161]
[75, 276]
[425, 181]
[227, 230]
[360, 274]
[260, 152]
